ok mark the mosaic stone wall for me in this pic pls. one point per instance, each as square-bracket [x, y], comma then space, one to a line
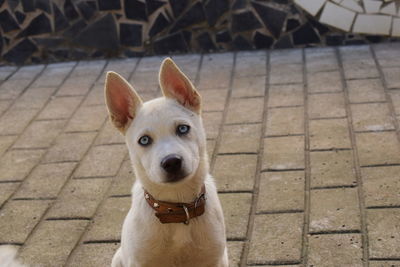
[55, 30]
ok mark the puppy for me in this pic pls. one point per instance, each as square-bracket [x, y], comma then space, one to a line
[176, 218]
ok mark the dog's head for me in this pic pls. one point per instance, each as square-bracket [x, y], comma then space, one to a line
[165, 136]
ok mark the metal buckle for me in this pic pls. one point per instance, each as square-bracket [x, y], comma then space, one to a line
[187, 215]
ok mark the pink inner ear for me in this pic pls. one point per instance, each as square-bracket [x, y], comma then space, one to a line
[120, 102]
[177, 86]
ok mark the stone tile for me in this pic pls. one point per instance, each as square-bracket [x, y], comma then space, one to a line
[285, 95]
[337, 16]
[365, 90]
[236, 209]
[45, 181]
[4, 105]
[14, 120]
[109, 135]
[251, 66]
[248, 86]
[332, 168]
[87, 119]
[329, 134]
[276, 238]
[245, 110]
[5, 142]
[210, 148]
[212, 122]
[335, 250]
[231, 178]
[383, 263]
[323, 82]
[69, 147]
[76, 86]
[372, 24]
[95, 95]
[278, 73]
[240, 138]
[215, 71]
[395, 97]
[88, 68]
[52, 242]
[28, 72]
[93, 255]
[18, 218]
[213, 100]
[145, 81]
[15, 165]
[235, 250]
[102, 161]
[372, 117]
[381, 186]
[107, 223]
[285, 121]
[311, 7]
[358, 63]
[11, 89]
[6, 190]
[387, 54]
[34, 98]
[40, 134]
[321, 59]
[52, 76]
[392, 77]
[60, 107]
[123, 67]
[378, 148]
[282, 153]
[286, 56]
[326, 105]
[79, 198]
[281, 191]
[383, 233]
[334, 210]
[123, 182]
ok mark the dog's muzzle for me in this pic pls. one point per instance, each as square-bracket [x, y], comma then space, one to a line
[172, 165]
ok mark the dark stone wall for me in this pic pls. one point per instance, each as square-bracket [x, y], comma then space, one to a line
[34, 31]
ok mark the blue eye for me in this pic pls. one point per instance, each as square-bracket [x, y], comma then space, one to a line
[145, 140]
[182, 129]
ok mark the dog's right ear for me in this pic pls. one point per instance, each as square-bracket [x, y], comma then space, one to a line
[122, 101]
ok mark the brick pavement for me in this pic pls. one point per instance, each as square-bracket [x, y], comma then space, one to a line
[304, 146]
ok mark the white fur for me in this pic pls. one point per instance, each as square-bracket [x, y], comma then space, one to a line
[8, 257]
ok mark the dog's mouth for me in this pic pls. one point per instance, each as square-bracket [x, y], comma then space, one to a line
[175, 177]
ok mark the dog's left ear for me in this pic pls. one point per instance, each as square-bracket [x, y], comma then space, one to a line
[174, 84]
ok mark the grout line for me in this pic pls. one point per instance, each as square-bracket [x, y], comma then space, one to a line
[335, 232]
[380, 165]
[120, 196]
[110, 241]
[235, 191]
[329, 149]
[67, 219]
[282, 170]
[266, 212]
[236, 153]
[328, 118]
[33, 198]
[333, 187]
[289, 106]
[368, 102]
[385, 259]
[256, 187]
[375, 131]
[325, 93]
[277, 263]
[383, 207]
[7, 79]
[357, 168]
[283, 135]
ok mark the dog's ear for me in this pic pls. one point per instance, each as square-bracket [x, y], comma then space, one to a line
[122, 101]
[174, 84]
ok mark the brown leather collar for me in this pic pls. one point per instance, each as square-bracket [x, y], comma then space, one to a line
[170, 212]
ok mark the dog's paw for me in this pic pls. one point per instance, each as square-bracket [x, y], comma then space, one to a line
[8, 257]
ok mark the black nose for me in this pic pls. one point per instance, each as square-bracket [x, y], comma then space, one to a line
[172, 163]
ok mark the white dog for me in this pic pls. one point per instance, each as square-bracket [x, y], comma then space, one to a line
[176, 218]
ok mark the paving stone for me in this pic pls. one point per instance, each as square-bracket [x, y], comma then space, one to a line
[281, 191]
[215, 71]
[52, 242]
[107, 223]
[102, 161]
[358, 63]
[69, 147]
[278, 73]
[372, 117]
[76, 86]
[79, 198]
[88, 68]
[235, 249]
[4, 105]
[60, 107]
[231, 178]
[240, 138]
[378, 148]
[18, 218]
[93, 255]
[96, 95]
[34, 98]
[87, 119]
[285, 95]
[395, 97]
[27, 72]
[11, 89]
[276, 238]
[210, 148]
[285, 121]
[6, 190]
[109, 135]
[245, 110]
[254, 66]
[5, 142]
[52, 76]
[365, 90]
[326, 105]
[45, 181]
[145, 81]
[236, 208]
[381, 186]
[123, 182]
[392, 77]
[281, 153]
[15, 165]
[249, 86]
[212, 122]
[334, 210]
[383, 263]
[40, 134]
[383, 233]
[292, 56]
[387, 53]
[323, 82]
[14, 120]
[335, 250]
[213, 100]
[332, 168]
[329, 134]
[321, 59]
